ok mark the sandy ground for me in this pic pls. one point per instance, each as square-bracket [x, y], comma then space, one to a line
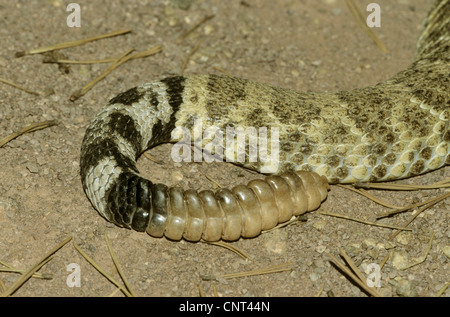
[303, 45]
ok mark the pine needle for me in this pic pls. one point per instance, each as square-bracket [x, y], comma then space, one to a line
[118, 266]
[192, 29]
[71, 44]
[101, 271]
[353, 277]
[215, 183]
[91, 84]
[369, 196]
[183, 67]
[146, 53]
[431, 201]
[23, 278]
[265, 270]
[122, 59]
[424, 257]
[356, 11]
[406, 187]
[442, 290]
[362, 221]
[418, 213]
[232, 248]
[10, 83]
[29, 128]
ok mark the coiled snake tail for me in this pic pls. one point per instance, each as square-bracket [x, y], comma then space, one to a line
[395, 129]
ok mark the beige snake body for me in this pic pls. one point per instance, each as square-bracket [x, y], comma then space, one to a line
[392, 130]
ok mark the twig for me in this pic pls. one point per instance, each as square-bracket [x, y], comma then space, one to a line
[30, 128]
[71, 44]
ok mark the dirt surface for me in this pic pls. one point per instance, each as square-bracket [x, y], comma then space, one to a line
[303, 45]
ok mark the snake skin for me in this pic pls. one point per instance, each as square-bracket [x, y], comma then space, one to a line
[393, 130]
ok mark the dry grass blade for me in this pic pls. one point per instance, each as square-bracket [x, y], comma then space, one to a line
[362, 221]
[101, 271]
[10, 83]
[18, 283]
[354, 277]
[232, 248]
[30, 128]
[265, 270]
[72, 43]
[118, 266]
[356, 11]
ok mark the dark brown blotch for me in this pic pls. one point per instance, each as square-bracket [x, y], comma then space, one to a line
[128, 97]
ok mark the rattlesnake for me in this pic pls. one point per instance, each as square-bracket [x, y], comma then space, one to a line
[392, 130]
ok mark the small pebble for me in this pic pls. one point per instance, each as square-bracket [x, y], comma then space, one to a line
[446, 250]
[399, 259]
[403, 287]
